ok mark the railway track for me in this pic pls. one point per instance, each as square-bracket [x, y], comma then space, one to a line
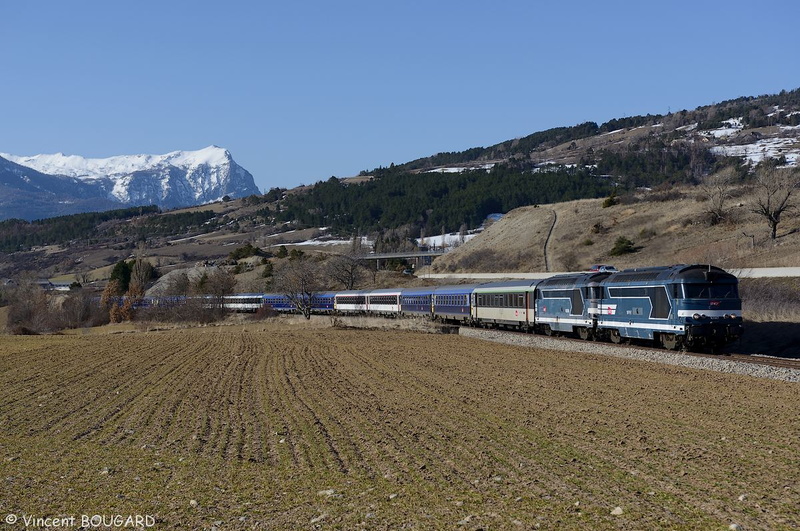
[755, 359]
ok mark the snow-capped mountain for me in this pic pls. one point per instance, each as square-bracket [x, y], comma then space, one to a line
[179, 178]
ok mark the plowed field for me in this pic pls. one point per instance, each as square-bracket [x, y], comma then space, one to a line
[283, 427]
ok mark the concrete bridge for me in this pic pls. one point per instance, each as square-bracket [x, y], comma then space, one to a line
[418, 258]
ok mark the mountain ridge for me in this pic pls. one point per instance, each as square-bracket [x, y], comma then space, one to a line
[175, 179]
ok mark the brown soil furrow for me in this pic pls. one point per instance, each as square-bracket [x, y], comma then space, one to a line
[403, 440]
[218, 376]
[300, 383]
[293, 425]
[375, 442]
[263, 441]
[432, 410]
[248, 436]
[344, 398]
[61, 413]
[146, 393]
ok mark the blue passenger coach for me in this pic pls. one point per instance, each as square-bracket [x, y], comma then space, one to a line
[278, 302]
[452, 303]
[417, 301]
[323, 302]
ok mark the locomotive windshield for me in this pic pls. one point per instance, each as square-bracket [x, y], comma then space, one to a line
[710, 291]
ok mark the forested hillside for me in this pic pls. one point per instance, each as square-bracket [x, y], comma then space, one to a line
[430, 202]
[17, 234]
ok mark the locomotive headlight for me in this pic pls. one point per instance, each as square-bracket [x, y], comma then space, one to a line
[696, 317]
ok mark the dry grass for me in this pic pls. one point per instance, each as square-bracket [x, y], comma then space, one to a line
[665, 231]
[282, 426]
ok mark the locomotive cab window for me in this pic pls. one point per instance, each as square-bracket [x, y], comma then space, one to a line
[711, 291]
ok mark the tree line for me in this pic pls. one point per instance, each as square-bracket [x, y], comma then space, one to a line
[20, 235]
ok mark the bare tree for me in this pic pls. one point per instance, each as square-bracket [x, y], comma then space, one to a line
[30, 308]
[76, 309]
[83, 278]
[346, 269]
[775, 194]
[178, 284]
[299, 280]
[141, 272]
[220, 283]
[717, 189]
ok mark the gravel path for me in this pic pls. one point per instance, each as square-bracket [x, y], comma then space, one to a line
[669, 358]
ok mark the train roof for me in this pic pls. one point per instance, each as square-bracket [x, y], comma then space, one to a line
[678, 273]
[385, 291]
[463, 288]
[572, 279]
[351, 292]
[506, 285]
[418, 291]
[325, 294]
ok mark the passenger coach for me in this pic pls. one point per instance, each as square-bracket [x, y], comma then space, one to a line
[417, 301]
[509, 303]
[452, 303]
[384, 302]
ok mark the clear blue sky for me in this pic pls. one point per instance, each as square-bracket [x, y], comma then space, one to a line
[299, 91]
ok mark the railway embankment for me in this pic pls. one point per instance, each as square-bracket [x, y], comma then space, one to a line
[716, 363]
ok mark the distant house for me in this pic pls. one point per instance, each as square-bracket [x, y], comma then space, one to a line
[46, 285]
[491, 218]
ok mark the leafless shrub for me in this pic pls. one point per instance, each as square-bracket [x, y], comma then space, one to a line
[570, 262]
[30, 309]
[775, 194]
[190, 310]
[666, 195]
[716, 191]
[263, 313]
[598, 228]
[481, 260]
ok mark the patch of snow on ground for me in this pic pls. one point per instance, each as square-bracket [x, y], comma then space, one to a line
[366, 244]
[765, 148]
[453, 239]
[485, 167]
[734, 126]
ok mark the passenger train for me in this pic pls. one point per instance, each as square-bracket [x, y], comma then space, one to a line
[677, 307]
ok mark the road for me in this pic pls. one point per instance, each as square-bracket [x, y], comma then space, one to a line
[756, 272]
